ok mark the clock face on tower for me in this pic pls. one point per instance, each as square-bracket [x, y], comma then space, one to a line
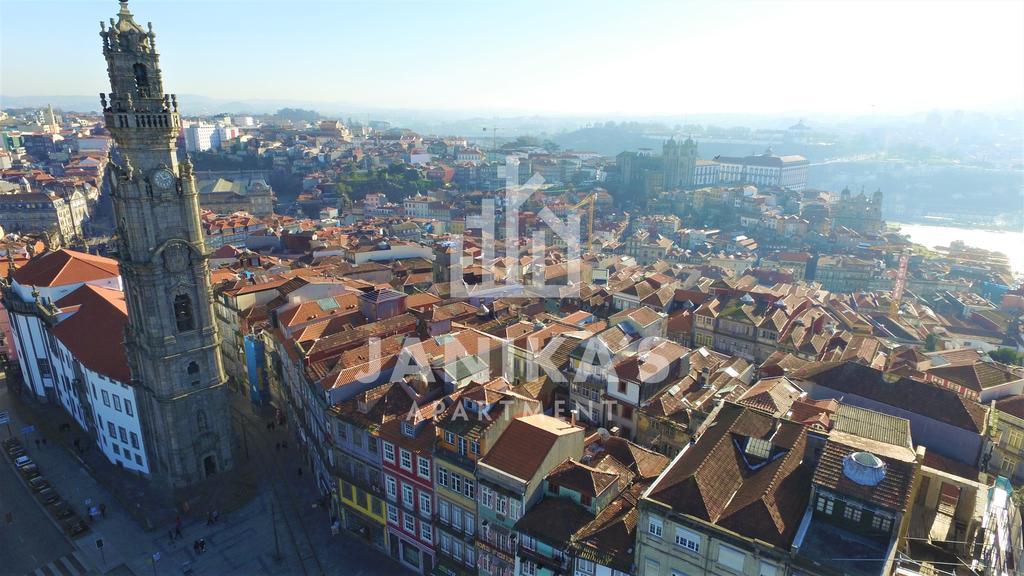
[163, 179]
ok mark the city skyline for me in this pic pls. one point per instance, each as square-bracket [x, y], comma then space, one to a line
[578, 59]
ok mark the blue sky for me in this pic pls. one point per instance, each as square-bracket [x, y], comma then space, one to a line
[555, 56]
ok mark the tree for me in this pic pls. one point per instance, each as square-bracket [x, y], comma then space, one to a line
[1006, 356]
[931, 342]
[344, 195]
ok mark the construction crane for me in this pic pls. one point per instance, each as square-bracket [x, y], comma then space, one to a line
[590, 219]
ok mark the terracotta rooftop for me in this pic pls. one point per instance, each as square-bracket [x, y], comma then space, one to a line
[644, 463]
[554, 520]
[926, 399]
[609, 540]
[522, 447]
[772, 395]
[977, 376]
[581, 478]
[64, 267]
[892, 492]
[744, 473]
[94, 333]
[1013, 405]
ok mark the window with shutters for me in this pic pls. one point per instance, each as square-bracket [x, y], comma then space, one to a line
[731, 558]
[688, 540]
[655, 526]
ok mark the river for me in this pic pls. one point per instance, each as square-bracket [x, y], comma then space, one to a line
[1009, 243]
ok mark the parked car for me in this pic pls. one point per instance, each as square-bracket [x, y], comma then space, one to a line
[49, 495]
[62, 510]
[38, 484]
[11, 443]
[74, 526]
[22, 461]
[29, 471]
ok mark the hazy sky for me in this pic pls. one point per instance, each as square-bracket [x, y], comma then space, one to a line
[557, 56]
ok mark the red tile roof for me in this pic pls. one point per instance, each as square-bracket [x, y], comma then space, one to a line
[1013, 405]
[719, 480]
[94, 333]
[523, 446]
[922, 398]
[892, 492]
[65, 267]
[581, 478]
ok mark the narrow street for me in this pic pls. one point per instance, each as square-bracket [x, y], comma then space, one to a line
[264, 506]
[30, 539]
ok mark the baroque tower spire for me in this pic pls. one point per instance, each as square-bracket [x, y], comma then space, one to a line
[171, 338]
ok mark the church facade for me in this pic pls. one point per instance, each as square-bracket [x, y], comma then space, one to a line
[171, 338]
[860, 213]
[679, 163]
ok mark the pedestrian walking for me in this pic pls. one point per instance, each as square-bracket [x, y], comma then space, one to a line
[209, 518]
[9, 518]
[177, 531]
[202, 545]
[44, 442]
[103, 510]
[216, 516]
[195, 546]
[170, 535]
[37, 442]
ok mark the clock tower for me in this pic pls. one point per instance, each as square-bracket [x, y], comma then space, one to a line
[171, 338]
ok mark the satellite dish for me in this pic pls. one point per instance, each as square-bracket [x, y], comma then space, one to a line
[604, 434]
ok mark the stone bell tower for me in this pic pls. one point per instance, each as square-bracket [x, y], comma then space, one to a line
[171, 338]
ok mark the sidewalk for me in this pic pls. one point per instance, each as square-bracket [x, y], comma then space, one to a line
[263, 489]
[151, 507]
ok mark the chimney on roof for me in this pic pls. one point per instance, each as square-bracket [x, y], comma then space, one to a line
[572, 417]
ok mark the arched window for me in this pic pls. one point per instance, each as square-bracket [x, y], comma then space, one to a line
[201, 421]
[141, 79]
[193, 373]
[183, 312]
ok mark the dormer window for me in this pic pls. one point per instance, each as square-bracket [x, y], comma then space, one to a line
[408, 429]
